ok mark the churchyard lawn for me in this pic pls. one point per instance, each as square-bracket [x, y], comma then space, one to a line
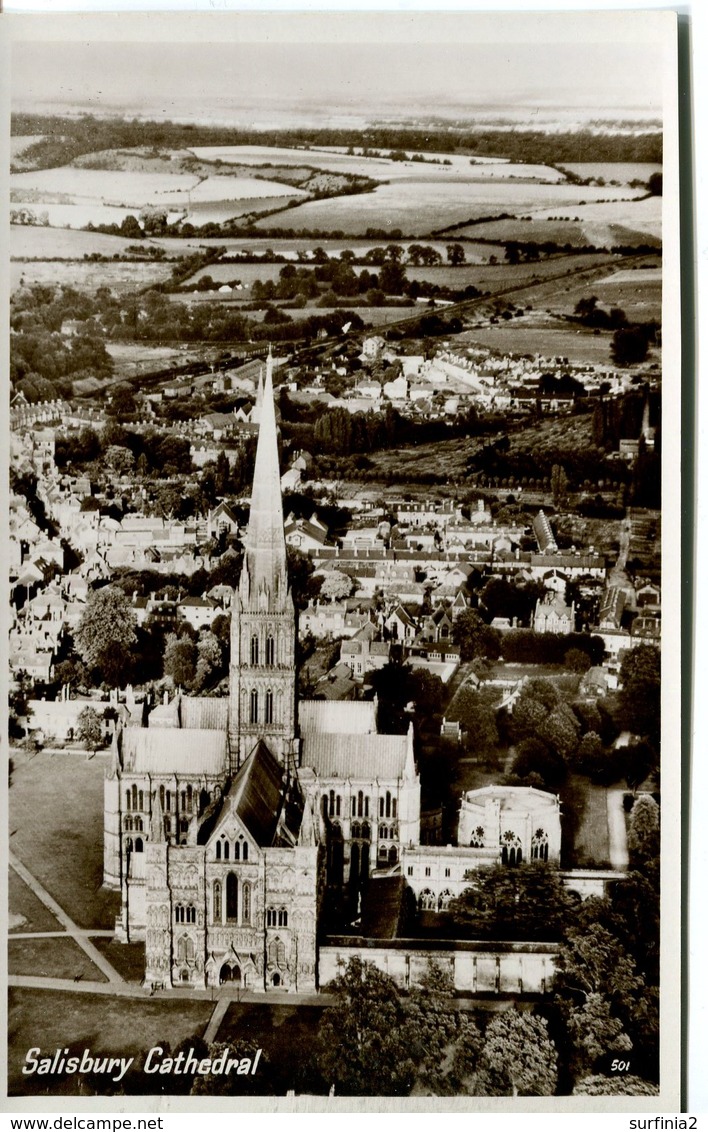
[56, 830]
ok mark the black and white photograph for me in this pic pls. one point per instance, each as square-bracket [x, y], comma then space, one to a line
[342, 561]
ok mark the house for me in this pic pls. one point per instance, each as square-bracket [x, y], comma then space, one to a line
[400, 625]
[553, 615]
[199, 612]
[362, 655]
[305, 534]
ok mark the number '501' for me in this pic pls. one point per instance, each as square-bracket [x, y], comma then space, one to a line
[619, 1066]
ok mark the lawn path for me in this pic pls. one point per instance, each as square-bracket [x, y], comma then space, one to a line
[216, 1019]
[72, 929]
[619, 857]
[133, 990]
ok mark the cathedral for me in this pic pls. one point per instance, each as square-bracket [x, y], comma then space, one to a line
[226, 820]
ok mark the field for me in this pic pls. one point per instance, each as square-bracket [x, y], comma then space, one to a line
[590, 847]
[548, 341]
[421, 206]
[122, 277]
[621, 171]
[116, 1027]
[59, 842]
[130, 359]
[39, 242]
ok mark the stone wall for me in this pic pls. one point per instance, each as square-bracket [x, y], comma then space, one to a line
[477, 968]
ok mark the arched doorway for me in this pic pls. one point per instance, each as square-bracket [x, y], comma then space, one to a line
[230, 973]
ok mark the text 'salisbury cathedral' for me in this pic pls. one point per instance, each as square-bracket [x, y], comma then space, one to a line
[227, 819]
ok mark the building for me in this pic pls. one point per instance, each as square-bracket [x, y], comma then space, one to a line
[225, 819]
[553, 615]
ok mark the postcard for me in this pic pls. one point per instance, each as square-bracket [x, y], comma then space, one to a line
[343, 560]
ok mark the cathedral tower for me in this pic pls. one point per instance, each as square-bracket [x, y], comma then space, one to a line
[262, 668]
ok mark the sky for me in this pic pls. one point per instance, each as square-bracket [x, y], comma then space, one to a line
[254, 82]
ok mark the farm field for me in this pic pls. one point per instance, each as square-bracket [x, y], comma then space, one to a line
[621, 171]
[338, 160]
[20, 142]
[129, 359]
[294, 248]
[38, 242]
[120, 276]
[562, 341]
[420, 206]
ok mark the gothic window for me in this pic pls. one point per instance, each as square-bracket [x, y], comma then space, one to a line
[381, 806]
[269, 706]
[232, 897]
[183, 829]
[216, 901]
[179, 914]
[331, 803]
[246, 903]
[138, 844]
[141, 803]
[271, 918]
[511, 849]
[366, 806]
[129, 845]
[183, 797]
[383, 852]
[276, 979]
[189, 797]
[477, 838]
[128, 823]
[168, 800]
[185, 948]
[191, 914]
[127, 800]
[254, 650]
[276, 953]
[393, 807]
[138, 824]
[353, 805]
[226, 850]
[338, 805]
[254, 706]
[539, 845]
[162, 797]
[270, 651]
[323, 805]
[388, 804]
[134, 798]
[356, 829]
[360, 804]
[218, 850]
[365, 831]
[392, 855]
[282, 918]
[237, 851]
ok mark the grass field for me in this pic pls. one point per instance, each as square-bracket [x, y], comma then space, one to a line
[54, 958]
[56, 815]
[590, 847]
[122, 277]
[419, 207]
[106, 1026]
[27, 913]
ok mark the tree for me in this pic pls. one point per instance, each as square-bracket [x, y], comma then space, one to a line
[363, 1047]
[444, 1044]
[534, 757]
[210, 661]
[629, 346]
[477, 718]
[455, 254]
[120, 460]
[639, 697]
[643, 837]
[180, 659]
[474, 636]
[518, 1059]
[336, 585]
[526, 902]
[559, 485]
[106, 634]
[89, 729]
[122, 403]
[617, 1086]
[560, 730]
[577, 660]
[590, 757]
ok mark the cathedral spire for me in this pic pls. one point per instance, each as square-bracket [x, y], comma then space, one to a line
[264, 571]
